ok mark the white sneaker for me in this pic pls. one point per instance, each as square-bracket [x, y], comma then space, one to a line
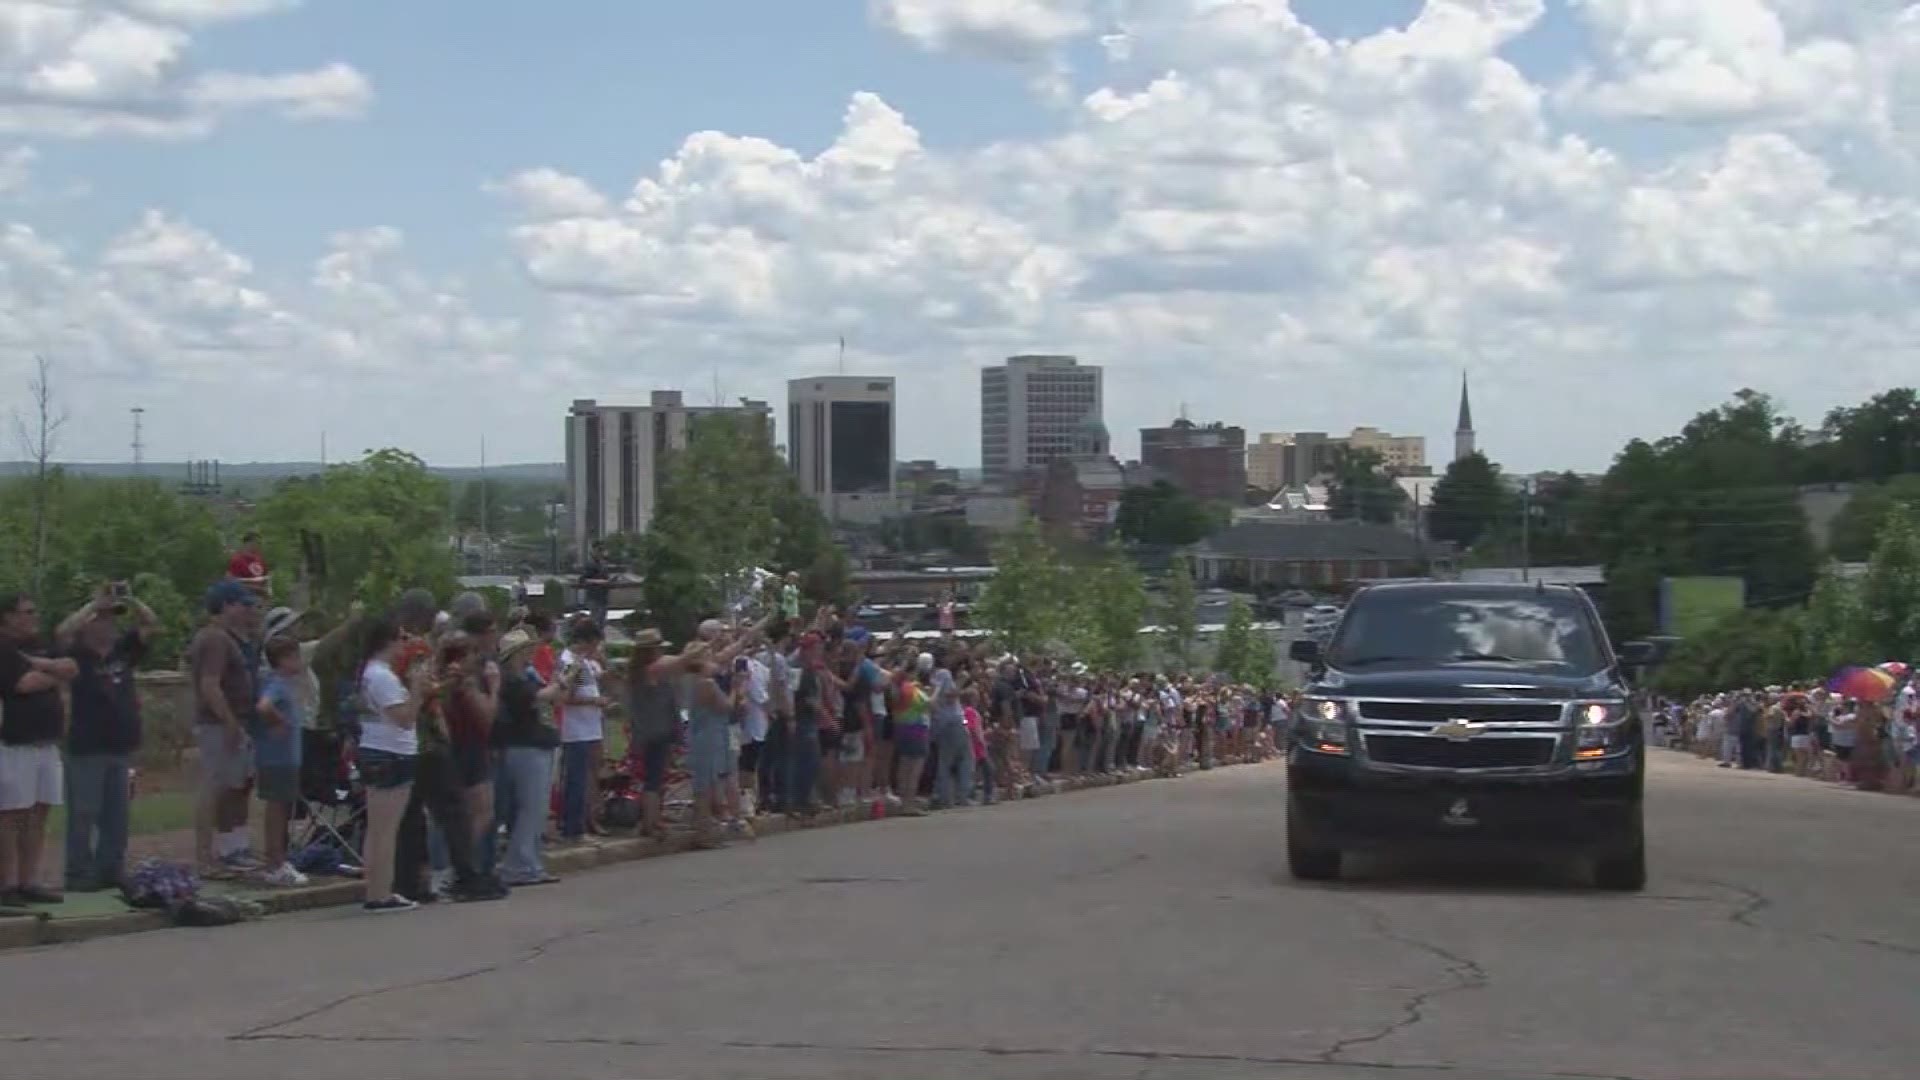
[284, 876]
[441, 883]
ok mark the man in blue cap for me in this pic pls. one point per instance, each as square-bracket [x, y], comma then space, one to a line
[225, 688]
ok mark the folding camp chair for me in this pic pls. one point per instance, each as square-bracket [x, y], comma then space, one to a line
[333, 802]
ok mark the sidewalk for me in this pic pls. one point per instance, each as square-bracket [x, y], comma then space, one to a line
[83, 917]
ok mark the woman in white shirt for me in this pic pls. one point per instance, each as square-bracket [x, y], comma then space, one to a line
[389, 745]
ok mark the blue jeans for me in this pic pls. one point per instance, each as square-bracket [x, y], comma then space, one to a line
[488, 854]
[97, 806]
[520, 796]
[803, 767]
[576, 787]
[985, 767]
[773, 766]
[953, 778]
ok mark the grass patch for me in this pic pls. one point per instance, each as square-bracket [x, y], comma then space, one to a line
[162, 811]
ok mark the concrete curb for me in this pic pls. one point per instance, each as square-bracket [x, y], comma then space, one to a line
[38, 929]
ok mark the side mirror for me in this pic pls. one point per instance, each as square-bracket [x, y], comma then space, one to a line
[1637, 653]
[1304, 650]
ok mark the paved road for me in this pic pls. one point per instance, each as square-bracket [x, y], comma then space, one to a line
[1141, 932]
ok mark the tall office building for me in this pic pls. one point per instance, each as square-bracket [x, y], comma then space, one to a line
[615, 455]
[840, 440]
[1034, 409]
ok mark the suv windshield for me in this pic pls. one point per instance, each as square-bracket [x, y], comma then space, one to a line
[1433, 626]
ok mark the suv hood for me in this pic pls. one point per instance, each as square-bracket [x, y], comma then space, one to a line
[1463, 681]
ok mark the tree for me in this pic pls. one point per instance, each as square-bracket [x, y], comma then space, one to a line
[1025, 603]
[1109, 605]
[728, 504]
[99, 530]
[1876, 440]
[1890, 595]
[1715, 500]
[1179, 615]
[39, 434]
[1361, 489]
[1244, 654]
[1470, 502]
[1165, 515]
[1856, 528]
[1833, 624]
[381, 525]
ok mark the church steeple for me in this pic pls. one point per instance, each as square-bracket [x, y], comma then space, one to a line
[1463, 428]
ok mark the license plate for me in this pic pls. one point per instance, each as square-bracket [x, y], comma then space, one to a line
[1459, 814]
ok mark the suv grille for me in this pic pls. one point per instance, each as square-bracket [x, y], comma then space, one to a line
[1439, 712]
[1426, 752]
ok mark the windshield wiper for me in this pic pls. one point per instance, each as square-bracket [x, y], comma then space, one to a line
[1361, 661]
[1493, 658]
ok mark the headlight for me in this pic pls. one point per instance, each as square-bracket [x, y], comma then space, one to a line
[1602, 728]
[1325, 728]
[1602, 714]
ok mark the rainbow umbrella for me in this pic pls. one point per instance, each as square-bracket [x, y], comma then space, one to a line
[1862, 683]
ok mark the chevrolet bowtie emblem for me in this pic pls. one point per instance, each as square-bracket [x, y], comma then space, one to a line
[1458, 730]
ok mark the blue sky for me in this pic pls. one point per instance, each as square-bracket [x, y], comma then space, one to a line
[1534, 191]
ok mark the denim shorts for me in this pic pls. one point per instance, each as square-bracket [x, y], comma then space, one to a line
[383, 771]
[910, 741]
[709, 753]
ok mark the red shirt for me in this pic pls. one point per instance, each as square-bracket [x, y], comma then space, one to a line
[245, 566]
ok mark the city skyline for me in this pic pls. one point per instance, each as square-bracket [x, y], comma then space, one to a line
[1290, 214]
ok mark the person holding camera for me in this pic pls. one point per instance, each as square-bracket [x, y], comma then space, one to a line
[31, 718]
[103, 734]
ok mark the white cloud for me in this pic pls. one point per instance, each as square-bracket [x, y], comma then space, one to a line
[1008, 29]
[97, 67]
[1273, 227]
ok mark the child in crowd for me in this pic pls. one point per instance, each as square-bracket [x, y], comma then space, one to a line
[276, 753]
[977, 738]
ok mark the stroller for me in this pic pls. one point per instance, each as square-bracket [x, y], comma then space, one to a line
[333, 804]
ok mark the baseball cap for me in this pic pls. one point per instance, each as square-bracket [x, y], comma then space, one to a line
[224, 594]
[281, 620]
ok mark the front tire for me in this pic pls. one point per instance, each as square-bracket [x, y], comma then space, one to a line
[1625, 871]
[1306, 860]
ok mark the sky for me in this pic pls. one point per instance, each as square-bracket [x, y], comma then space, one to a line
[431, 223]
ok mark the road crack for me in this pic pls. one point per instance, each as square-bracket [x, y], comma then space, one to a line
[1751, 902]
[1463, 973]
[273, 1029]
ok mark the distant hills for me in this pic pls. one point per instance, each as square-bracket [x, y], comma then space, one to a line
[255, 472]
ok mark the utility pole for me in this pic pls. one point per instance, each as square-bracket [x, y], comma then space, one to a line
[139, 448]
[1526, 529]
[486, 551]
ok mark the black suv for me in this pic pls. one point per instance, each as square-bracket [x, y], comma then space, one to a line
[1486, 718]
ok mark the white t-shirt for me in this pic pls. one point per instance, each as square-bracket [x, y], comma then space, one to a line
[754, 721]
[582, 723]
[382, 690]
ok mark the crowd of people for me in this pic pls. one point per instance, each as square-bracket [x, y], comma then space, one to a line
[1869, 744]
[476, 743]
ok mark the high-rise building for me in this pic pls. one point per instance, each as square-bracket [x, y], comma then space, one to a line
[1207, 461]
[840, 439]
[1294, 459]
[1463, 440]
[615, 454]
[1034, 409]
[1399, 453]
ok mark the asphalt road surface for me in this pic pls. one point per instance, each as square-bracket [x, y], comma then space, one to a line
[1146, 932]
